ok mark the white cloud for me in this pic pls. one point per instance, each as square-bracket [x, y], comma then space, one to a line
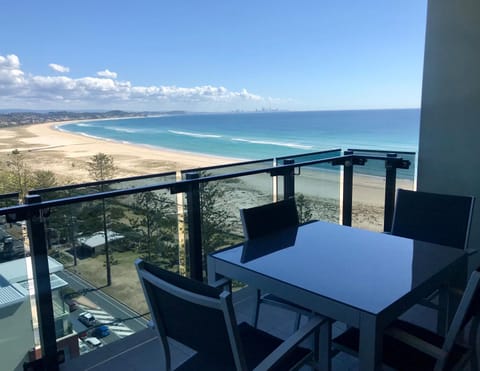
[59, 68]
[11, 76]
[107, 73]
[105, 92]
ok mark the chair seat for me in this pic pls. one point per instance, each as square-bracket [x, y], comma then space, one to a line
[257, 346]
[398, 354]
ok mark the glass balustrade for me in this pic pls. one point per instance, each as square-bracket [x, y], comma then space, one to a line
[93, 241]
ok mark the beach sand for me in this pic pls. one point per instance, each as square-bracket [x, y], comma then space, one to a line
[67, 154]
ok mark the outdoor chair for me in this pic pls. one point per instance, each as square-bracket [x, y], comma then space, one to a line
[431, 217]
[410, 347]
[264, 220]
[202, 317]
[436, 218]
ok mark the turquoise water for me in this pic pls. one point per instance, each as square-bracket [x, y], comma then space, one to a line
[263, 135]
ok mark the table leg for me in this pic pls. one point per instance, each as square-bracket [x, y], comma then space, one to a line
[211, 275]
[371, 337]
[443, 309]
[325, 348]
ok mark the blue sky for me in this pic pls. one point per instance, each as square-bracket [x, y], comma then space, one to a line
[211, 55]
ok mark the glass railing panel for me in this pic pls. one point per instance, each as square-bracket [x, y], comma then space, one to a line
[230, 168]
[311, 156]
[144, 181]
[19, 328]
[115, 184]
[9, 199]
[317, 194]
[221, 202]
[99, 272]
[406, 178]
[317, 190]
[369, 195]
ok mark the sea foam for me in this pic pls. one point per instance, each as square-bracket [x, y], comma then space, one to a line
[280, 144]
[196, 135]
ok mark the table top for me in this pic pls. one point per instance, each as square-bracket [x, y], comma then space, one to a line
[363, 269]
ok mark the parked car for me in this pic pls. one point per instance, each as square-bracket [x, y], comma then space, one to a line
[83, 347]
[101, 331]
[93, 342]
[72, 305]
[87, 319]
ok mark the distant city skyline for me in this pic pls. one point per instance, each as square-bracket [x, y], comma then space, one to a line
[211, 55]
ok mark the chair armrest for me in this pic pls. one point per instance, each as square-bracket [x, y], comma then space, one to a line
[312, 326]
[222, 282]
[471, 251]
[416, 342]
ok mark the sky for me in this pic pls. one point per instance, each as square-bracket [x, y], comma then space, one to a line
[211, 55]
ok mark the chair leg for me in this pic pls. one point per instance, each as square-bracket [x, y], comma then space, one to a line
[298, 318]
[473, 335]
[256, 312]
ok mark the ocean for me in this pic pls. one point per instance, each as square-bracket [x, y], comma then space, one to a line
[263, 134]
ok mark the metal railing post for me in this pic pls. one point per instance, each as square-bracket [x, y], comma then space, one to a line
[194, 228]
[41, 280]
[347, 191]
[390, 185]
[289, 180]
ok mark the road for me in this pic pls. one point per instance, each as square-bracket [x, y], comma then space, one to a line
[121, 320]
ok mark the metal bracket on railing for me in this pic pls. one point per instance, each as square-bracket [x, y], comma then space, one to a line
[24, 214]
[353, 160]
[393, 162]
[285, 171]
[281, 172]
[179, 188]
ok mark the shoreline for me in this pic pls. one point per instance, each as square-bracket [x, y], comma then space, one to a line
[66, 153]
[149, 146]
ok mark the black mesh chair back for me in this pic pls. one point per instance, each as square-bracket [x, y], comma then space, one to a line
[266, 219]
[185, 315]
[430, 217]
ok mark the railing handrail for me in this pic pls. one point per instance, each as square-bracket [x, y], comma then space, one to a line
[251, 162]
[100, 182]
[9, 195]
[381, 151]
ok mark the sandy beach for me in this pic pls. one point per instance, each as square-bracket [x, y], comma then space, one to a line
[66, 154]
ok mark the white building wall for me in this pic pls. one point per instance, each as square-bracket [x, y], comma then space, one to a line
[449, 153]
[16, 335]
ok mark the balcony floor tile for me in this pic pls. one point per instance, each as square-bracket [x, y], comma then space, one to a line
[141, 351]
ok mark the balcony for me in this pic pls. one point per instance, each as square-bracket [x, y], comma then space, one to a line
[95, 231]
